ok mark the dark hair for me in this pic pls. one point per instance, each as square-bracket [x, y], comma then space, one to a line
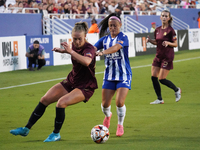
[94, 20]
[171, 19]
[103, 25]
[81, 26]
[36, 42]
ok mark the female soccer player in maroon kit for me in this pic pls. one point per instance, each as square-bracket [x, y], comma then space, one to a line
[165, 39]
[79, 85]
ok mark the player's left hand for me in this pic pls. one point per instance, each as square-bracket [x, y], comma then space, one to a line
[99, 53]
[67, 47]
[165, 43]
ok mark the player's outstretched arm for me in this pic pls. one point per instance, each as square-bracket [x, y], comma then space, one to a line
[81, 59]
[110, 50]
[56, 49]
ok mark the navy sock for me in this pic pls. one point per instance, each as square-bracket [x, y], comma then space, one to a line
[60, 117]
[36, 114]
[156, 86]
[169, 84]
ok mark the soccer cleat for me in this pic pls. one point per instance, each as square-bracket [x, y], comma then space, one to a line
[53, 137]
[178, 95]
[106, 121]
[23, 131]
[120, 130]
[157, 102]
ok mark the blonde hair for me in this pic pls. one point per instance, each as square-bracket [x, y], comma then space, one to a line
[80, 26]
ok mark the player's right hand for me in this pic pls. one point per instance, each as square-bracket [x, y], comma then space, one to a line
[148, 39]
[56, 49]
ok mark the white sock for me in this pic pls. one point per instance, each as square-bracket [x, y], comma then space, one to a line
[121, 112]
[106, 111]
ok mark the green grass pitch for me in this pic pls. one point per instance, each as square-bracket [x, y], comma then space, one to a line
[171, 126]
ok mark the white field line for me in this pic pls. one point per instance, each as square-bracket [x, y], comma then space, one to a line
[9, 87]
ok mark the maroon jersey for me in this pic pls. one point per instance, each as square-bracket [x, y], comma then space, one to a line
[81, 76]
[167, 34]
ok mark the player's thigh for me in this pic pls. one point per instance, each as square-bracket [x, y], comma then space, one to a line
[121, 96]
[53, 94]
[75, 96]
[107, 95]
[163, 73]
[155, 71]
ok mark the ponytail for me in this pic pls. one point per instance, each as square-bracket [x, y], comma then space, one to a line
[103, 25]
[80, 26]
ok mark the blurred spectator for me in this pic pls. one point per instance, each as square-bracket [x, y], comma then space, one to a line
[25, 3]
[50, 9]
[44, 9]
[66, 8]
[94, 27]
[44, 2]
[193, 4]
[40, 6]
[153, 27]
[198, 19]
[9, 8]
[2, 2]
[178, 2]
[97, 6]
[74, 10]
[171, 2]
[184, 3]
[62, 3]
[50, 2]
[132, 8]
[12, 2]
[35, 5]
[118, 9]
[55, 8]
[83, 9]
[104, 9]
[60, 9]
[112, 7]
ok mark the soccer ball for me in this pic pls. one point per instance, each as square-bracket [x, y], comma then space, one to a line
[99, 134]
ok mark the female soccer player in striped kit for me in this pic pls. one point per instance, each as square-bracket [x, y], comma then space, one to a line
[165, 39]
[117, 75]
[78, 87]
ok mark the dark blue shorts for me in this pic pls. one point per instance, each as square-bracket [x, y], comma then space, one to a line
[114, 85]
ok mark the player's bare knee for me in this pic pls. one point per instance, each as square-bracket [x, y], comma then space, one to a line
[105, 104]
[44, 100]
[61, 104]
[119, 104]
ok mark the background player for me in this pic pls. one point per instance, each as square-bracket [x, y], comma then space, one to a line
[118, 75]
[79, 85]
[165, 39]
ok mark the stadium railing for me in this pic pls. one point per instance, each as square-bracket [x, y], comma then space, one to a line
[16, 10]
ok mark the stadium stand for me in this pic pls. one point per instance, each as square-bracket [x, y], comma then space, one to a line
[89, 7]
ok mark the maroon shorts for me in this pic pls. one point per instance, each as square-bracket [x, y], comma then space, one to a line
[86, 92]
[162, 63]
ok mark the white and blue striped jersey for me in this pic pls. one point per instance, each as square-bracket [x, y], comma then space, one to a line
[117, 64]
